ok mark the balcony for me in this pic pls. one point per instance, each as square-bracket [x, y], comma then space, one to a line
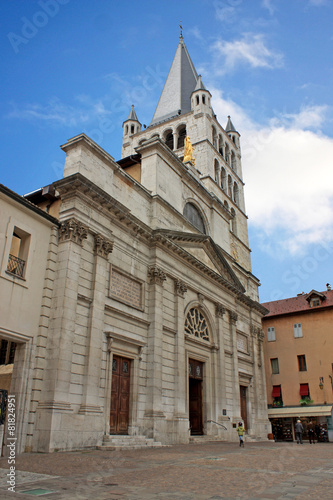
[16, 266]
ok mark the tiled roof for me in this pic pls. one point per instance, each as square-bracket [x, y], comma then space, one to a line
[300, 303]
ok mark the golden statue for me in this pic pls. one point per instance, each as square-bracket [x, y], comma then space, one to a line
[188, 151]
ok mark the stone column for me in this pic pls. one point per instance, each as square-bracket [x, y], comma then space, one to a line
[180, 362]
[175, 140]
[233, 334]
[91, 397]
[154, 407]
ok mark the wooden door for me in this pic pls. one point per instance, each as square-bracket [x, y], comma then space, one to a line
[243, 405]
[120, 392]
[195, 397]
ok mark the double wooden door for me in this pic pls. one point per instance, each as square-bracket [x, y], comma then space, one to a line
[195, 396]
[120, 393]
[243, 404]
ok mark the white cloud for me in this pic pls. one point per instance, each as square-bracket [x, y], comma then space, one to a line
[288, 175]
[269, 5]
[83, 111]
[251, 50]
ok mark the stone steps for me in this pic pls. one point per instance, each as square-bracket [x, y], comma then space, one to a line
[124, 442]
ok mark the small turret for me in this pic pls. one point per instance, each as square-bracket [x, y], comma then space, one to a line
[200, 98]
[232, 132]
[131, 125]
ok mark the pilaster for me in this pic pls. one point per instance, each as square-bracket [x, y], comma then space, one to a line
[233, 335]
[220, 396]
[154, 406]
[180, 372]
[91, 398]
[72, 233]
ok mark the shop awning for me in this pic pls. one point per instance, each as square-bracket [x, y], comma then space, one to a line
[301, 411]
[304, 389]
[276, 393]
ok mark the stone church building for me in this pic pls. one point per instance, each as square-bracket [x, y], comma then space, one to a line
[154, 326]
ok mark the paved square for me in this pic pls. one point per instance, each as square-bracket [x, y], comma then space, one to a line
[208, 471]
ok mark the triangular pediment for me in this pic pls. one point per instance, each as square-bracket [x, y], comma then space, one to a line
[203, 250]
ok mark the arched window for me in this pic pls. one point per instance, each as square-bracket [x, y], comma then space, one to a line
[227, 154]
[230, 186]
[126, 129]
[214, 136]
[196, 324]
[181, 137]
[216, 171]
[132, 129]
[223, 179]
[233, 162]
[226, 205]
[197, 99]
[233, 222]
[169, 138]
[203, 100]
[236, 193]
[221, 145]
[193, 215]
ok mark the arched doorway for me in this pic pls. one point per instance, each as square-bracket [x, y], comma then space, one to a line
[195, 396]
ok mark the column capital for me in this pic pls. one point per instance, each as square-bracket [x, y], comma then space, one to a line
[180, 288]
[73, 230]
[102, 246]
[233, 317]
[219, 310]
[157, 275]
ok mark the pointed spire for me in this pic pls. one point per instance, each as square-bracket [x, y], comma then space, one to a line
[132, 115]
[181, 81]
[199, 85]
[229, 127]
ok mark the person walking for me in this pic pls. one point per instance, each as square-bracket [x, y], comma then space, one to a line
[311, 433]
[240, 429]
[299, 431]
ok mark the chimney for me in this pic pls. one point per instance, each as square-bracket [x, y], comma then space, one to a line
[328, 287]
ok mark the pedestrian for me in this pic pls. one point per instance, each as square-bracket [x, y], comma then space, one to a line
[311, 433]
[240, 429]
[299, 431]
[317, 432]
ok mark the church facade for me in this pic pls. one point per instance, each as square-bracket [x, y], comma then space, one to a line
[154, 327]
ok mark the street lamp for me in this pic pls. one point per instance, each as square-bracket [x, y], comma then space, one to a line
[321, 383]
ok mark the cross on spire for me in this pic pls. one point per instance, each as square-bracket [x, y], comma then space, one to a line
[181, 30]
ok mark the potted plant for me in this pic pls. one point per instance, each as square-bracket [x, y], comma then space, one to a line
[306, 401]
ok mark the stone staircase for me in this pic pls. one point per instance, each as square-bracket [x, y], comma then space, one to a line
[208, 439]
[119, 442]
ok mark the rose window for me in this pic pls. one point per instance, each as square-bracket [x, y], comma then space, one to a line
[196, 324]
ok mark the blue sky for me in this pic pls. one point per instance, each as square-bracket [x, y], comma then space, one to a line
[71, 66]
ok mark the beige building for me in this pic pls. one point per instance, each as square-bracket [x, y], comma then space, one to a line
[298, 350]
[154, 330]
[28, 245]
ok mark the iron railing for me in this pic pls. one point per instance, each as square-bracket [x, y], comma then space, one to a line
[16, 266]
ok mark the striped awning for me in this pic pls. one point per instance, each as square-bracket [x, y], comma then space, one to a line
[301, 411]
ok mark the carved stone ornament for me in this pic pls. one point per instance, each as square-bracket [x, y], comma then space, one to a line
[233, 317]
[219, 310]
[200, 298]
[73, 230]
[180, 288]
[156, 275]
[261, 335]
[102, 246]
